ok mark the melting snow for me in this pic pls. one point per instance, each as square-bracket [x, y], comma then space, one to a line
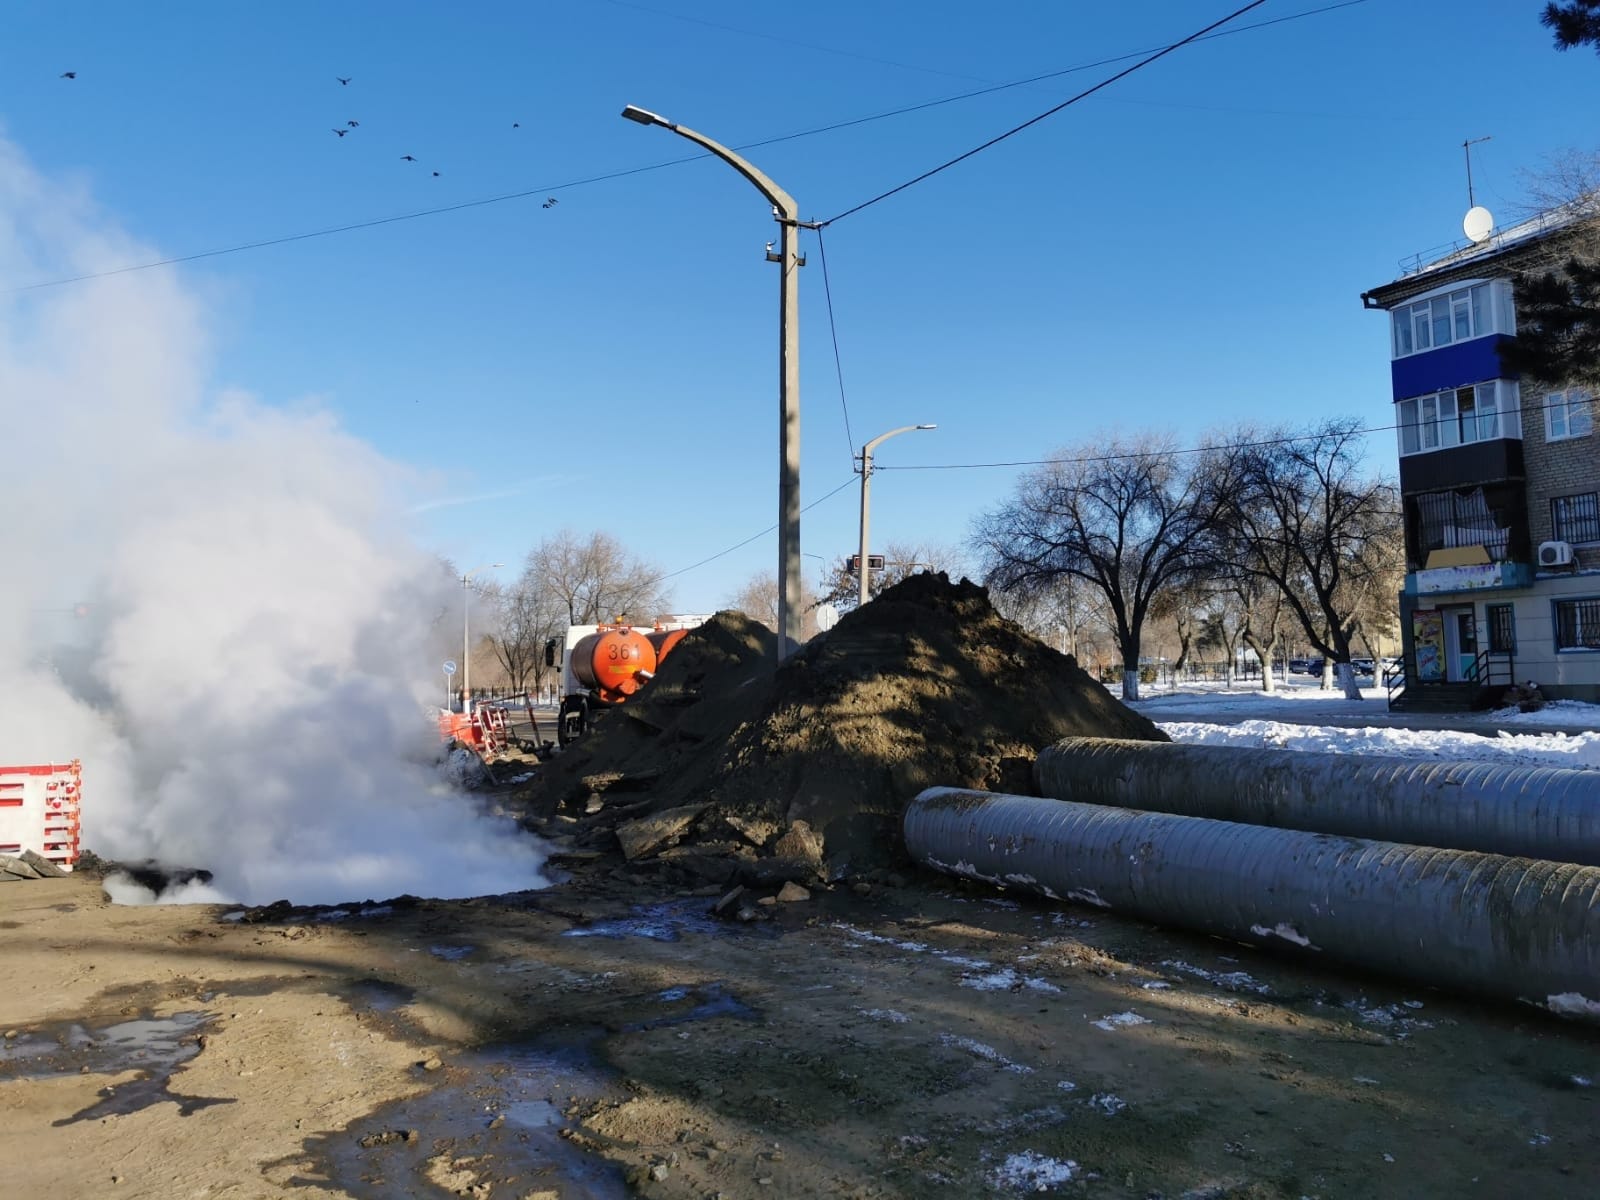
[987, 1053]
[1030, 1172]
[1121, 1020]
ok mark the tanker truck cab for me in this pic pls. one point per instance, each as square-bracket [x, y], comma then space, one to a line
[604, 665]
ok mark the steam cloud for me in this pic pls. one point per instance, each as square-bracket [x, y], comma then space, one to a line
[211, 601]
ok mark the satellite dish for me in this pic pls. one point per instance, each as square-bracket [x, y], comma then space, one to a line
[1478, 223]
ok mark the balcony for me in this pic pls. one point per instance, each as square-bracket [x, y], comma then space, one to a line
[1493, 461]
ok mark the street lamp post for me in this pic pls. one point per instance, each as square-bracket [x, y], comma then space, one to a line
[866, 492]
[466, 643]
[787, 214]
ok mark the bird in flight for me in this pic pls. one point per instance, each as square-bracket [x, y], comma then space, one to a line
[551, 202]
[436, 174]
[408, 158]
[69, 74]
[344, 79]
[353, 124]
[516, 124]
[341, 132]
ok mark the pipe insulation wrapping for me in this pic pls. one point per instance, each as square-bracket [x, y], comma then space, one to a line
[1511, 927]
[1539, 812]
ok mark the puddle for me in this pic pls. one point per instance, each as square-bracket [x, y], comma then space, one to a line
[499, 1117]
[377, 995]
[153, 1046]
[451, 953]
[709, 1000]
[657, 922]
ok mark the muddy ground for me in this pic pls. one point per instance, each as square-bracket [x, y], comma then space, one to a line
[607, 1037]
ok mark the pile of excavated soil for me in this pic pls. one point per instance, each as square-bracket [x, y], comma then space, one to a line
[725, 769]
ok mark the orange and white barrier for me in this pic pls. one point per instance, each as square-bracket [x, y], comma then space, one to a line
[39, 811]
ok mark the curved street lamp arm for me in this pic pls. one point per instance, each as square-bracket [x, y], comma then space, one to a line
[779, 199]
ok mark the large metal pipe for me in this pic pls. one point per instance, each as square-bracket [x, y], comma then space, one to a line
[1511, 927]
[1539, 812]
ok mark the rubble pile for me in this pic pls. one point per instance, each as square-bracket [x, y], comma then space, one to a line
[724, 770]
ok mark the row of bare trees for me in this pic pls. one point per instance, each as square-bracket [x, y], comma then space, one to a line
[566, 580]
[1264, 535]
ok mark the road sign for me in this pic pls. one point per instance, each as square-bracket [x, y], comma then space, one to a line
[827, 617]
[449, 667]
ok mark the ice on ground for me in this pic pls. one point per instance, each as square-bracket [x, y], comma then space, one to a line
[1031, 1172]
[1121, 1020]
[987, 1053]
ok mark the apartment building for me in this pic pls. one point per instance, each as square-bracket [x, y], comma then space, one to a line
[1499, 474]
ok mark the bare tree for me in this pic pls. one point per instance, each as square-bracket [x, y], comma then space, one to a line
[1261, 603]
[596, 580]
[1303, 519]
[758, 600]
[1131, 519]
[526, 615]
[841, 586]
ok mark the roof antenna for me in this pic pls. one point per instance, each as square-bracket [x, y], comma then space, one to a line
[1479, 221]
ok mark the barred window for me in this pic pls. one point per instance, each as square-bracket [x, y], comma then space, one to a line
[1576, 518]
[1578, 624]
[1459, 518]
[1502, 628]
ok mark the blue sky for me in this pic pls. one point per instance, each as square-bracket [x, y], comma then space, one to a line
[1183, 252]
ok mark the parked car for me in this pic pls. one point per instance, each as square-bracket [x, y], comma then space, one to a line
[1305, 666]
[1364, 666]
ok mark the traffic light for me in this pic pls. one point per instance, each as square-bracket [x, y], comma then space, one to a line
[874, 563]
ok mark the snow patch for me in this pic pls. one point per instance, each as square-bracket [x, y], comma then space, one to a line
[1572, 1004]
[987, 1053]
[1285, 931]
[1031, 1172]
[1121, 1020]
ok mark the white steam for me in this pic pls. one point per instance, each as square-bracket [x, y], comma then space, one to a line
[209, 600]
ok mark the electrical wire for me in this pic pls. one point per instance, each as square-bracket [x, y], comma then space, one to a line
[833, 329]
[1049, 112]
[547, 189]
[753, 537]
[1138, 454]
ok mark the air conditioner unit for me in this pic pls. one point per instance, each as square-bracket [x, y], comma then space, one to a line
[1555, 554]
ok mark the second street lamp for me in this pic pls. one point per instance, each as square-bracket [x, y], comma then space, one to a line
[466, 644]
[787, 214]
[866, 493]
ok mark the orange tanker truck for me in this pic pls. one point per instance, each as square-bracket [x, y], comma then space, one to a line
[602, 665]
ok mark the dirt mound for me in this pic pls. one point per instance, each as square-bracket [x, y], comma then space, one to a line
[722, 767]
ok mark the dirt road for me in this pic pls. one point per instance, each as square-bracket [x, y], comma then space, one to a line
[602, 1039]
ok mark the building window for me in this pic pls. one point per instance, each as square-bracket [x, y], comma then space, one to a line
[1578, 624]
[1502, 628]
[1568, 414]
[1459, 416]
[1445, 520]
[1444, 319]
[1576, 518]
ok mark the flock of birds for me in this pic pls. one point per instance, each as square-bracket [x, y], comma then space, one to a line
[344, 81]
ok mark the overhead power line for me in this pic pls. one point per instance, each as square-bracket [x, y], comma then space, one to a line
[546, 189]
[833, 329]
[753, 537]
[1049, 112]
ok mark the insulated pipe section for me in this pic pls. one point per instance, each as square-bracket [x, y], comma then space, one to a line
[1538, 812]
[1510, 927]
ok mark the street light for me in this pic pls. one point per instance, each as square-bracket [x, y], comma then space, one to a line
[787, 214]
[466, 643]
[866, 492]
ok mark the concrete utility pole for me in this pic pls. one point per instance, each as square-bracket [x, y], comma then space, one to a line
[787, 214]
[866, 493]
